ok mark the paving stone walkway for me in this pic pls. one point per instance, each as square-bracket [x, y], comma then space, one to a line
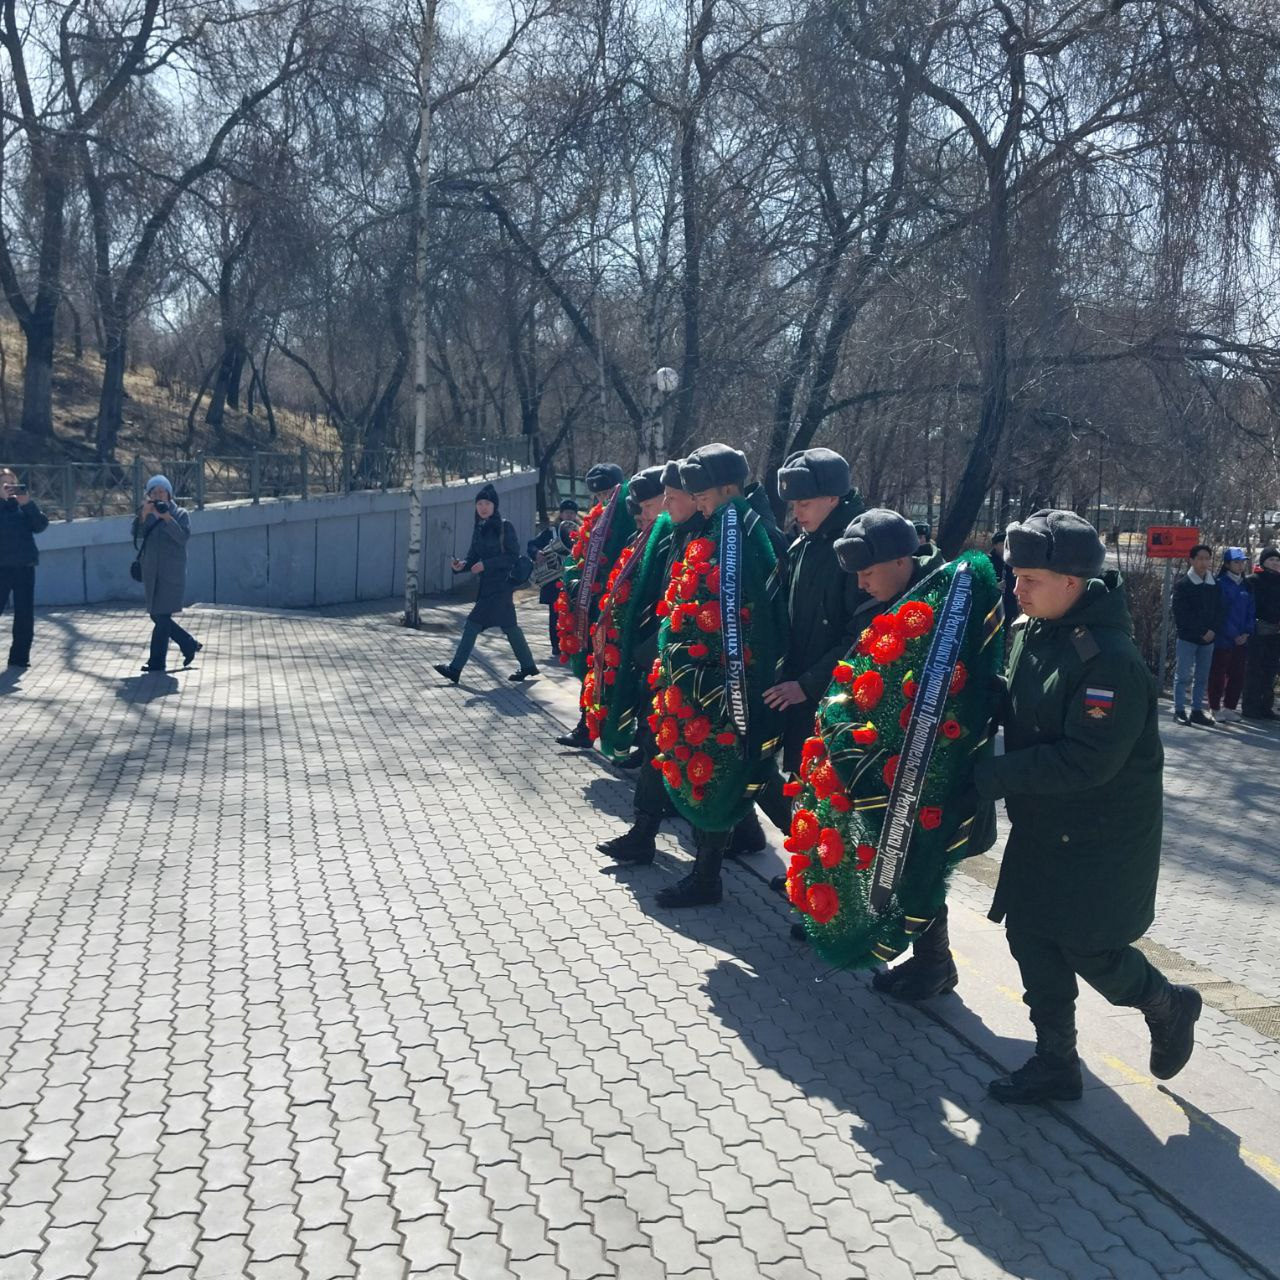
[307, 968]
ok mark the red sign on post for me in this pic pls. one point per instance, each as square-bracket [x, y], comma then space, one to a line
[1170, 541]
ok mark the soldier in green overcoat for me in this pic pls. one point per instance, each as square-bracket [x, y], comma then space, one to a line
[1081, 780]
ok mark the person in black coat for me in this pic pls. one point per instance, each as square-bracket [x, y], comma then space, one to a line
[493, 553]
[1264, 644]
[20, 520]
[558, 536]
[821, 601]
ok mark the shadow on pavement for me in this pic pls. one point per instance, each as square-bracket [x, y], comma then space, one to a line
[1007, 1181]
[10, 678]
[140, 689]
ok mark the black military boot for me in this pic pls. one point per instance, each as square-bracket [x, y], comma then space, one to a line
[449, 673]
[748, 838]
[634, 846]
[1171, 1015]
[701, 887]
[1051, 1074]
[579, 739]
[930, 971]
[1039, 1079]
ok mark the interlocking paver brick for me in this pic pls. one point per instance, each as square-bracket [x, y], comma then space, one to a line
[369, 1017]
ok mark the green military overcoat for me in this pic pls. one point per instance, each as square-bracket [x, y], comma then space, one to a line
[1081, 777]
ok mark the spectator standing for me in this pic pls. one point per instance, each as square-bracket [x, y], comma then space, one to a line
[1264, 645]
[1197, 609]
[1230, 654]
[493, 554]
[558, 537]
[20, 520]
[164, 528]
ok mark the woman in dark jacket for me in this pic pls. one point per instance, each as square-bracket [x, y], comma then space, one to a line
[493, 553]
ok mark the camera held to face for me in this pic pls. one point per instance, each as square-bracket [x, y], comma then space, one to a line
[160, 507]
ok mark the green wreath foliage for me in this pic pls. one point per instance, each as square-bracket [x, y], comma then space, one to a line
[611, 697]
[620, 531]
[711, 772]
[848, 767]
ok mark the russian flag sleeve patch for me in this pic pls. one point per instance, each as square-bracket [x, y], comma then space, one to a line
[1099, 702]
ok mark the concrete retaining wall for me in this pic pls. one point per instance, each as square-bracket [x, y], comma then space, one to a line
[286, 553]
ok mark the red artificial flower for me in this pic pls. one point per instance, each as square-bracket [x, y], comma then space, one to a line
[890, 770]
[951, 729]
[668, 734]
[840, 802]
[909, 689]
[830, 848]
[866, 640]
[814, 749]
[804, 832]
[671, 775]
[843, 673]
[688, 587]
[888, 648]
[610, 677]
[931, 817]
[959, 679]
[866, 855]
[697, 731]
[685, 712]
[674, 698]
[612, 655]
[699, 794]
[915, 618]
[791, 789]
[701, 769]
[699, 549]
[799, 865]
[745, 614]
[726, 738]
[796, 894]
[885, 624]
[868, 689]
[709, 616]
[905, 718]
[662, 608]
[825, 781]
[677, 620]
[713, 580]
[623, 593]
[653, 722]
[682, 753]
[823, 902]
[867, 735]
[698, 650]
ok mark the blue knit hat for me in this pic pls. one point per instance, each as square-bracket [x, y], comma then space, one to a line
[159, 482]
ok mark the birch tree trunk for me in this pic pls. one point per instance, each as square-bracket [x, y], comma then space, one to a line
[412, 617]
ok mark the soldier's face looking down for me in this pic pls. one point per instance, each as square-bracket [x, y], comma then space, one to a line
[680, 506]
[888, 580]
[709, 501]
[650, 510]
[811, 512]
[1044, 594]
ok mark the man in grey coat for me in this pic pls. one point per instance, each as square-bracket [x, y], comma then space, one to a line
[164, 528]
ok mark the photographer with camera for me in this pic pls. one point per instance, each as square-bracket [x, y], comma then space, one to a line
[549, 549]
[164, 528]
[20, 520]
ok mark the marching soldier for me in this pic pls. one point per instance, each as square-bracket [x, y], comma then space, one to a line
[1081, 780]
[636, 844]
[718, 651]
[821, 603]
[607, 527]
[884, 551]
